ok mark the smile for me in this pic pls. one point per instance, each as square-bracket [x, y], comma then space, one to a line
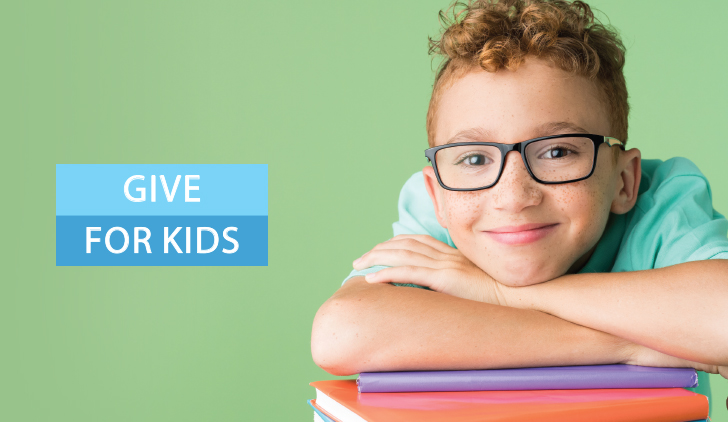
[520, 235]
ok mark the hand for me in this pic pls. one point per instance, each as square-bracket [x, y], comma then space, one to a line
[423, 260]
[644, 356]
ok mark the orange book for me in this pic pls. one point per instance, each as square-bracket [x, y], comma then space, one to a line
[342, 402]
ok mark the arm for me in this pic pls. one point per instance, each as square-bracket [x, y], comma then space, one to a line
[380, 327]
[680, 310]
[427, 262]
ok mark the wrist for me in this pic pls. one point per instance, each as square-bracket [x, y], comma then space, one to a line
[516, 296]
[543, 297]
[504, 294]
[644, 356]
[629, 353]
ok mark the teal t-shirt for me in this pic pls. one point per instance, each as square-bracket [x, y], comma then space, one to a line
[672, 222]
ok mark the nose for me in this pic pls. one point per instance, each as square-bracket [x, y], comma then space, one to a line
[516, 190]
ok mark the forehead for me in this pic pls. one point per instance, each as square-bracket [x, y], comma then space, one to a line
[512, 106]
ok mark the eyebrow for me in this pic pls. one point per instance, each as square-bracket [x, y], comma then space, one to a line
[551, 128]
[478, 134]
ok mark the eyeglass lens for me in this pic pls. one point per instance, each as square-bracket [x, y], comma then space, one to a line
[550, 160]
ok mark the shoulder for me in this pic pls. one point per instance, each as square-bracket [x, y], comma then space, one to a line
[657, 174]
[413, 198]
[673, 220]
[416, 211]
[414, 188]
[665, 184]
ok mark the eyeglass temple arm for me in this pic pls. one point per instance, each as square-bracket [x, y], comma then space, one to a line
[613, 141]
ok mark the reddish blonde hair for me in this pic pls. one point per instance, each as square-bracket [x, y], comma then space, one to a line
[499, 34]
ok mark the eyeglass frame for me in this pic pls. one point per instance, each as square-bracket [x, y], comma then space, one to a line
[597, 140]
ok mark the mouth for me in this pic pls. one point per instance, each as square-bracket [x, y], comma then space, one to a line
[521, 235]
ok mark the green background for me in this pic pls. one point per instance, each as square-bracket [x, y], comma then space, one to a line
[332, 96]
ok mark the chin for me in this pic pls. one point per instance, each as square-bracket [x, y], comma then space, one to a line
[523, 274]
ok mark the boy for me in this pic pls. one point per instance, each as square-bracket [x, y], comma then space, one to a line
[570, 249]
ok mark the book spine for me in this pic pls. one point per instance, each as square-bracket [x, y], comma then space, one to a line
[564, 378]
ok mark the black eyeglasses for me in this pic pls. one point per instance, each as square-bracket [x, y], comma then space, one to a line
[551, 160]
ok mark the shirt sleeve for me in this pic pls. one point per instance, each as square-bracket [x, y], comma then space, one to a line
[676, 220]
[416, 216]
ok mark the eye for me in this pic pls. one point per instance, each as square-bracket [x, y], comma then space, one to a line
[557, 152]
[474, 159]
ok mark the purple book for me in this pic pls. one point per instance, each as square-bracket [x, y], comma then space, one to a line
[548, 378]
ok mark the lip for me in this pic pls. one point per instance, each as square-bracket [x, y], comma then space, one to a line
[523, 234]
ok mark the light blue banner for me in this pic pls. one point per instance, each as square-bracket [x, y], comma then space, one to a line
[201, 189]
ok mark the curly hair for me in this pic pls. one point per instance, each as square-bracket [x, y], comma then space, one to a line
[499, 34]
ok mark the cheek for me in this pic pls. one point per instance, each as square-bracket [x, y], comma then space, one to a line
[587, 207]
[462, 209]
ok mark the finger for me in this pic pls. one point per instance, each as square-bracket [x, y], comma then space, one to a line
[427, 240]
[418, 243]
[412, 245]
[394, 258]
[408, 274]
[413, 241]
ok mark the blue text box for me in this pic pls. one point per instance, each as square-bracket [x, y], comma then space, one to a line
[251, 235]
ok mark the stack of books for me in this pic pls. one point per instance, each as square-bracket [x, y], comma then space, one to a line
[606, 393]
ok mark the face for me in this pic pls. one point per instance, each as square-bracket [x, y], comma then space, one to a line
[519, 231]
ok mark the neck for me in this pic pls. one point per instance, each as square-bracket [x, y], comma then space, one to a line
[579, 264]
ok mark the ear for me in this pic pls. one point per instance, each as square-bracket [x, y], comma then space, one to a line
[629, 174]
[436, 194]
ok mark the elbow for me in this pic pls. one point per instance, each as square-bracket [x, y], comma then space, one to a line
[335, 345]
[719, 339]
[723, 358]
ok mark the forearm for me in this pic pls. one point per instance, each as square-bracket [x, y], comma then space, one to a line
[680, 310]
[379, 327]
